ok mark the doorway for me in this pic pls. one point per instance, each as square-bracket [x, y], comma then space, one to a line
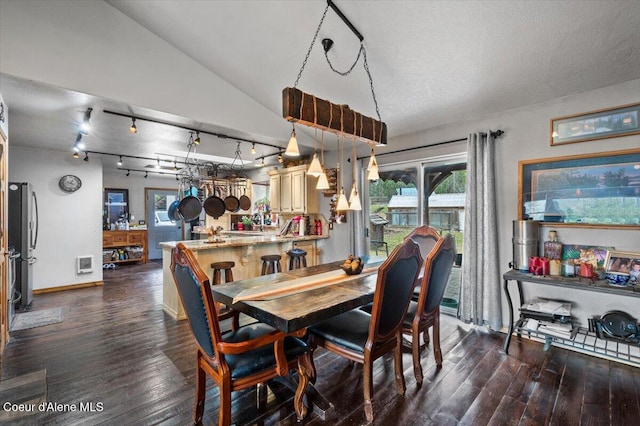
[160, 227]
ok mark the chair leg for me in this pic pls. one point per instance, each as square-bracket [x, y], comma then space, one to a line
[400, 385]
[437, 353]
[415, 351]
[312, 366]
[367, 384]
[201, 382]
[225, 402]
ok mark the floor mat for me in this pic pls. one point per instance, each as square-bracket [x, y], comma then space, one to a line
[30, 390]
[33, 319]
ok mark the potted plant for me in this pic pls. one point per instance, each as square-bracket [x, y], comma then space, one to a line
[247, 223]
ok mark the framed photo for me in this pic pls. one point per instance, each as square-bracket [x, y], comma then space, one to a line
[602, 124]
[623, 263]
[592, 190]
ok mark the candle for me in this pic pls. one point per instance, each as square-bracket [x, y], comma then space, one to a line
[555, 266]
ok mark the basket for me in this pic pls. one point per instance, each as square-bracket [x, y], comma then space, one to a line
[350, 271]
[107, 256]
[135, 253]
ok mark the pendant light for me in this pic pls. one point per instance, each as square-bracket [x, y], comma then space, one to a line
[343, 204]
[354, 198]
[292, 148]
[315, 169]
[372, 168]
[323, 182]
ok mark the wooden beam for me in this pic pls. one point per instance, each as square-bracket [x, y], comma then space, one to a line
[304, 108]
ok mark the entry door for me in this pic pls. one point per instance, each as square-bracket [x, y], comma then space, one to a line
[159, 227]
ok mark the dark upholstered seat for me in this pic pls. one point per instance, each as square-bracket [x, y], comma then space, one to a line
[242, 358]
[362, 337]
[425, 312]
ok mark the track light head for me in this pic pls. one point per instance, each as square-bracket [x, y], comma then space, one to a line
[146, 174]
[85, 126]
[128, 172]
[197, 139]
[120, 161]
[75, 154]
[86, 156]
[280, 159]
[253, 148]
[133, 129]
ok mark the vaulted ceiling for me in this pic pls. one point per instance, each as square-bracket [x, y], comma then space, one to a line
[432, 63]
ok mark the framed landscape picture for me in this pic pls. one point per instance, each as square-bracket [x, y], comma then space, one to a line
[595, 190]
[602, 124]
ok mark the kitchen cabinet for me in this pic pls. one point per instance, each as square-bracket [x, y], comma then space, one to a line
[291, 190]
[124, 246]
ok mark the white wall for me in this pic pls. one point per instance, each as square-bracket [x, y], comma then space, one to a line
[527, 137]
[70, 225]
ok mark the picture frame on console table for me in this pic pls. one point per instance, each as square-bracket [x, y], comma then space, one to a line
[587, 190]
[602, 124]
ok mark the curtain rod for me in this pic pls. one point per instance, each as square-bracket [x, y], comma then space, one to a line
[495, 134]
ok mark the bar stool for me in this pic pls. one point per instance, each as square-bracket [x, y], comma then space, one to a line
[297, 258]
[270, 264]
[225, 312]
[218, 267]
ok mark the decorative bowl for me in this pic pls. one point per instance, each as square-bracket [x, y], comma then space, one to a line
[616, 279]
[352, 266]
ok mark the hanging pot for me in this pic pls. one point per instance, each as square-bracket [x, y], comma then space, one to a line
[214, 205]
[190, 206]
[231, 203]
[172, 211]
[245, 202]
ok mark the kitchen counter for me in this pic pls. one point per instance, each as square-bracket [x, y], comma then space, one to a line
[242, 247]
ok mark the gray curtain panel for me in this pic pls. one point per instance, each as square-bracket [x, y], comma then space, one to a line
[480, 301]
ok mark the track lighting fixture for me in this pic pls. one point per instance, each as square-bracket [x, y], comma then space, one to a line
[85, 126]
[292, 148]
[119, 163]
[262, 163]
[78, 143]
[197, 139]
[175, 165]
[128, 172]
[280, 159]
[75, 154]
[86, 156]
[157, 164]
[253, 148]
[133, 129]
[146, 174]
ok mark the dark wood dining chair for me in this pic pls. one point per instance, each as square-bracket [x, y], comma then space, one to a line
[363, 337]
[239, 359]
[426, 237]
[425, 312]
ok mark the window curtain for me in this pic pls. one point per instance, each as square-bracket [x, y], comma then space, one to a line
[480, 301]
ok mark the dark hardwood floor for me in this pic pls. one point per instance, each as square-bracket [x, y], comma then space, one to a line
[116, 347]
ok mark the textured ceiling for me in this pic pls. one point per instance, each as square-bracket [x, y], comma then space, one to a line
[432, 62]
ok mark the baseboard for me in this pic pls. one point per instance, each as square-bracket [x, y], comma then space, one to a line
[68, 287]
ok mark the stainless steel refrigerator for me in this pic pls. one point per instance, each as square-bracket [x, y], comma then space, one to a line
[23, 237]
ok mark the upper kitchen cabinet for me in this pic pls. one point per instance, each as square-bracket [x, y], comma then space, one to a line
[291, 190]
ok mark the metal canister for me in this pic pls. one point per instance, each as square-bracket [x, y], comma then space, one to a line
[526, 240]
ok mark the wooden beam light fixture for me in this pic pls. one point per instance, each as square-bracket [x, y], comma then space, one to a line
[304, 108]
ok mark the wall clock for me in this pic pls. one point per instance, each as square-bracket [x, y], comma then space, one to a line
[70, 183]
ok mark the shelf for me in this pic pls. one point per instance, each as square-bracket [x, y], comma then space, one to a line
[582, 340]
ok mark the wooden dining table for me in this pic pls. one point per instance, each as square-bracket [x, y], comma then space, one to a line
[292, 300]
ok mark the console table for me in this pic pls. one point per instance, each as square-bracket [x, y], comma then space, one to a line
[581, 339]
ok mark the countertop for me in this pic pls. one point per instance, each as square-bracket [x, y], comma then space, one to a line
[235, 240]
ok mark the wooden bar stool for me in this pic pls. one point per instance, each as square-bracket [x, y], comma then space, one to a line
[218, 267]
[271, 264]
[297, 259]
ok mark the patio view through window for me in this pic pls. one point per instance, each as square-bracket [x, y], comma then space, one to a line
[409, 196]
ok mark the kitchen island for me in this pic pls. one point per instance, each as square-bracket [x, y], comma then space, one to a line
[244, 250]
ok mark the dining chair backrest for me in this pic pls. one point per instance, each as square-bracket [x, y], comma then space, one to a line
[426, 237]
[437, 270]
[394, 287]
[195, 292]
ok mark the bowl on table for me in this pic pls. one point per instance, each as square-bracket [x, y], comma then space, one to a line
[352, 266]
